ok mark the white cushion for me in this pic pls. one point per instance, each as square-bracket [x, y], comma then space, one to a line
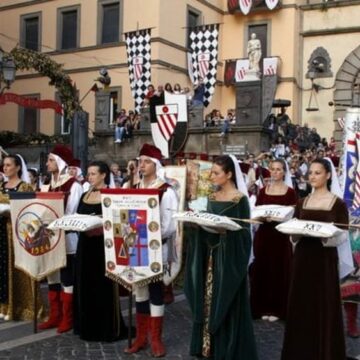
[332, 235]
[279, 213]
[207, 219]
[76, 222]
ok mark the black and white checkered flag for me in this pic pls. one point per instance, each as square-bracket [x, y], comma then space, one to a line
[204, 46]
[138, 49]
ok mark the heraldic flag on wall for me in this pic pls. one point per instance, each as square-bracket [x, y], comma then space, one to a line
[204, 47]
[138, 49]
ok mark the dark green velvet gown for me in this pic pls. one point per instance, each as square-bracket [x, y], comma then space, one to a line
[226, 256]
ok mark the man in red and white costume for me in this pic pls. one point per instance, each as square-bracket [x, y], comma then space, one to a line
[150, 298]
[61, 282]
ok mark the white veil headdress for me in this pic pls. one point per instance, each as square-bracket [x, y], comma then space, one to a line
[287, 179]
[24, 171]
[346, 261]
[240, 182]
[111, 181]
[335, 184]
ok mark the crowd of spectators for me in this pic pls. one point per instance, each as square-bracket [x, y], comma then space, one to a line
[125, 124]
[297, 158]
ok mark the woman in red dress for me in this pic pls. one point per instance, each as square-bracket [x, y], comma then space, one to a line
[270, 271]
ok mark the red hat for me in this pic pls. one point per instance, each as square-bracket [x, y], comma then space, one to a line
[150, 151]
[64, 152]
[75, 163]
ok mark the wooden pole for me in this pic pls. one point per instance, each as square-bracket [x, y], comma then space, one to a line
[130, 319]
[35, 292]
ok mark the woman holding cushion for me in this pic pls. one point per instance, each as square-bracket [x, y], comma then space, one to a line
[270, 270]
[314, 327]
[216, 273]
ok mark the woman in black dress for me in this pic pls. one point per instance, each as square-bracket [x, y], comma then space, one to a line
[314, 327]
[97, 314]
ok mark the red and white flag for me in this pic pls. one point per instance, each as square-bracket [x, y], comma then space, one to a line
[203, 61]
[241, 67]
[167, 116]
[245, 6]
[138, 67]
[270, 66]
[341, 122]
[271, 4]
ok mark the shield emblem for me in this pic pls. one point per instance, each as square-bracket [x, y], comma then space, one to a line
[270, 66]
[203, 60]
[271, 4]
[241, 67]
[176, 142]
[167, 116]
[245, 6]
[138, 67]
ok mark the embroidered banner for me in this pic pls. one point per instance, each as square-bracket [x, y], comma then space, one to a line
[38, 251]
[176, 177]
[132, 231]
[31, 103]
[138, 49]
[198, 183]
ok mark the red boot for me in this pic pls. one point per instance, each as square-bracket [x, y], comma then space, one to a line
[157, 346]
[54, 311]
[142, 329]
[351, 317]
[66, 323]
[168, 294]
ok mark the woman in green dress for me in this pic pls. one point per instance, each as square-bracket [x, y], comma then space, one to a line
[216, 273]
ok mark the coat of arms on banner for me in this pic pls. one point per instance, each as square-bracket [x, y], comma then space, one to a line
[242, 66]
[270, 66]
[203, 61]
[138, 67]
[198, 183]
[132, 236]
[169, 123]
[167, 116]
[271, 4]
[38, 250]
[245, 6]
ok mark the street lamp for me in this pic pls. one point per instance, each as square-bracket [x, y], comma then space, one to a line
[7, 71]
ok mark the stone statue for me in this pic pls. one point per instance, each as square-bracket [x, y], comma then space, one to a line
[254, 53]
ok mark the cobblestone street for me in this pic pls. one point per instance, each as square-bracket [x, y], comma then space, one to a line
[17, 342]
